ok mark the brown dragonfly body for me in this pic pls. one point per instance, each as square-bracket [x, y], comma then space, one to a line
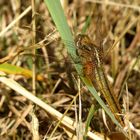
[91, 57]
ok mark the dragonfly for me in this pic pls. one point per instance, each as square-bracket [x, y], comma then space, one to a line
[91, 56]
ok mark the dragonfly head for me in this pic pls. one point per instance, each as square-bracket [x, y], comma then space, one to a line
[83, 42]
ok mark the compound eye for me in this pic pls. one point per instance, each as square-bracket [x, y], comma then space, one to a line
[86, 47]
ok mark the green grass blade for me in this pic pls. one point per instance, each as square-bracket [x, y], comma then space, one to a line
[87, 23]
[89, 118]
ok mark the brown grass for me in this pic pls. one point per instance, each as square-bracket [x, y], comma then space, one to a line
[59, 84]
